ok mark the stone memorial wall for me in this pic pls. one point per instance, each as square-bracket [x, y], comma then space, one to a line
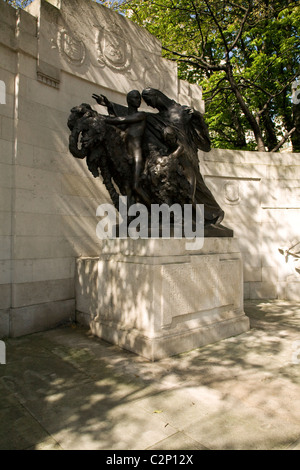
[53, 56]
[260, 194]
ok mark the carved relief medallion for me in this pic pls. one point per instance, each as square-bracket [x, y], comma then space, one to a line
[232, 192]
[113, 49]
[71, 48]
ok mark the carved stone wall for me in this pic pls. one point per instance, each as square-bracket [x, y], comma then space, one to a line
[87, 40]
[52, 57]
[260, 194]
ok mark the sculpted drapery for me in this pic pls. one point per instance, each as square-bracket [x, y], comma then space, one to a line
[150, 157]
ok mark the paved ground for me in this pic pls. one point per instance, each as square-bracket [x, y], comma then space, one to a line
[64, 389]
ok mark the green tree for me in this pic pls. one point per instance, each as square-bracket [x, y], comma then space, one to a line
[114, 4]
[18, 3]
[245, 55]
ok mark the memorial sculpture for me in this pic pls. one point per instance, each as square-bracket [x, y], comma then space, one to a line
[155, 299]
[150, 157]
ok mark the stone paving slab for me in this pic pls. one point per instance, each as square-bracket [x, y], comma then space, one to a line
[64, 389]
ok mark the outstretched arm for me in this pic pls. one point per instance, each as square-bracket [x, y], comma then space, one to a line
[103, 101]
[130, 119]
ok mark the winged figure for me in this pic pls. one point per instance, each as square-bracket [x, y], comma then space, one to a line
[150, 157]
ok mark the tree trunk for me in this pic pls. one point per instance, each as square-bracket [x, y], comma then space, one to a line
[296, 134]
[249, 116]
[240, 141]
[271, 138]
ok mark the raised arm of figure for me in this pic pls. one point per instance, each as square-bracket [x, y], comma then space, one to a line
[130, 119]
[103, 101]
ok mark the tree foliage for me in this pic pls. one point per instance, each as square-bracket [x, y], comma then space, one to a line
[113, 4]
[19, 3]
[245, 55]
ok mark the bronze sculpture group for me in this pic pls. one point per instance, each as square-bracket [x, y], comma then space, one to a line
[152, 158]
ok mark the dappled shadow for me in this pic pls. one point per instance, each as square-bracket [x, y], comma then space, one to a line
[258, 192]
[83, 393]
[73, 392]
[270, 314]
[156, 298]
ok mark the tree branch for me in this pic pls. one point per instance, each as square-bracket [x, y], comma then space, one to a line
[241, 27]
[283, 140]
[219, 28]
[276, 58]
[217, 91]
[172, 7]
[216, 87]
[256, 86]
[237, 6]
[225, 137]
[201, 63]
[275, 13]
[263, 109]
[199, 27]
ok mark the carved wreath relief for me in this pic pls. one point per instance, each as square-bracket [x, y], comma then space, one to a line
[113, 49]
[72, 49]
[232, 192]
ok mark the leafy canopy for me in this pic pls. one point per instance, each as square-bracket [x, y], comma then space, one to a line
[244, 53]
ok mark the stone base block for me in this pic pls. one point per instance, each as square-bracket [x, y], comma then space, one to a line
[155, 298]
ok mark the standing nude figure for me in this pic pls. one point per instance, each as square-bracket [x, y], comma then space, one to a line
[135, 124]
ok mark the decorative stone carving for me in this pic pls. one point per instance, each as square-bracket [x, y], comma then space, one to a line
[114, 51]
[71, 48]
[46, 80]
[232, 192]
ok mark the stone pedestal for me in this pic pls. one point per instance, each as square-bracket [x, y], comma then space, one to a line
[157, 299]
